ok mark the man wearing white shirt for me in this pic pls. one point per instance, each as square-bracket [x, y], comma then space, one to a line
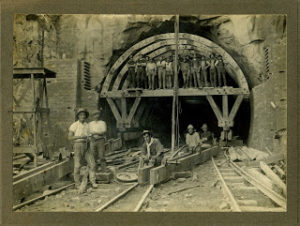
[78, 133]
[97, 131]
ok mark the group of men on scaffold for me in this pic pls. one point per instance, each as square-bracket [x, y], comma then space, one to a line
[197, 72]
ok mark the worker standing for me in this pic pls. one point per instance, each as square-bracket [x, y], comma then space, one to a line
[221, 71]
[169, 73]
[186, 73]
[203, 70]
[212, 70]
[151, 72]
[161, 69]
[78, 133]
[196, 73]
[131, 72]
[97, 130]
[141, 73]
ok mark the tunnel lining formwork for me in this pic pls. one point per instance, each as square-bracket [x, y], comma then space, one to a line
[115, 89]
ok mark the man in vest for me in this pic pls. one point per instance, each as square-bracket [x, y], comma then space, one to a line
[78, 133]
[152, 150]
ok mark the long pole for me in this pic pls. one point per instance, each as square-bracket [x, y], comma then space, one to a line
[175, 86]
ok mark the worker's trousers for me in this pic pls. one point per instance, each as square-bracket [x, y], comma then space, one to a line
[169, 75]
[81, 153]
[151, 79]
[141, 78]
[98, 150]
[213, 77]
[221, 74]
[161, 78]
[203, 73]
[131, 76]
[186, 78]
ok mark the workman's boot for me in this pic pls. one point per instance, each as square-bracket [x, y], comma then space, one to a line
[94, 185]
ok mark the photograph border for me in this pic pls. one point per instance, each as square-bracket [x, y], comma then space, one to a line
[187, 7]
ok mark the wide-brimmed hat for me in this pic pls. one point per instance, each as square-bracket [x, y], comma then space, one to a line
[145, 131]
[82, 110]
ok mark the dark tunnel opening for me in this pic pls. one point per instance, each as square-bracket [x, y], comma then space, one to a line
[192, 110]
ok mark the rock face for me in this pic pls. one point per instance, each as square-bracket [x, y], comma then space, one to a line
[256, 42]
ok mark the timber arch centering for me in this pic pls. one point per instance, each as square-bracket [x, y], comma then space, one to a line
[115, 85]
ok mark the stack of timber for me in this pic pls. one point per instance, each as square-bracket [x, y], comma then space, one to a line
[166, 172]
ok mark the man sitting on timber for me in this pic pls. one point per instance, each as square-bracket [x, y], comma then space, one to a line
[152, 150]
[206, 136]
[192, 138]
[78, 133]
[97, 130]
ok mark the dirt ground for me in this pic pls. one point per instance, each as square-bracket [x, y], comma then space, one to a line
[204, 194]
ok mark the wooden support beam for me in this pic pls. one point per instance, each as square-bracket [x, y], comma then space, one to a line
[133, 109]
[235, 107]
[123, 109]
[225, 106]
[143, 174]
[215, 107]
[114, 109]
[181, 92]
[35, 182]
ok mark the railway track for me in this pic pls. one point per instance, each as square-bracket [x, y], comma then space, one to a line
[131, 199]
[246, 193]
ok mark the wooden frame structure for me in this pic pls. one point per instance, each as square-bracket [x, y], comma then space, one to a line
[115, 86]
[37, 106]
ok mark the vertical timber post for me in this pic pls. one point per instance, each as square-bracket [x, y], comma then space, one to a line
[34, 121]
[175, 86]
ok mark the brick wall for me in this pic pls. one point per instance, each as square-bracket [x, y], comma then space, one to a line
[62, 98]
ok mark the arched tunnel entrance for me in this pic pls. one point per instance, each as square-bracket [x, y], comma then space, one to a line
[133, 110]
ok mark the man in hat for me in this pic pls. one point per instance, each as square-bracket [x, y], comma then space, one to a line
[221, 71]
[192, 138]
[141, 73]
[152, 150]
[161, 69]
[206, 136]
[97, 131]
[169, 73]
[131, 72]
[186, 72]
[203, 70]
[195, 72]
[212, 70]
[151, 71]
[78, 133]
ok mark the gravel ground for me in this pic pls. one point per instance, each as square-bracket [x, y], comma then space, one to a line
[206, 195]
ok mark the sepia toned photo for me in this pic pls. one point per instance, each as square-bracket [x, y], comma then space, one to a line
[149, 113]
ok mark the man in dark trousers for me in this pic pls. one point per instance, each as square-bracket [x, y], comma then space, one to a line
[141, 79]
[131, 73]
[221, 72]
[152, 150]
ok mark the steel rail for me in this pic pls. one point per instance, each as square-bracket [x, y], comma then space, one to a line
[139, 205]
[278, 199]
[42, 196]
[113, 200]
[234, 203]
